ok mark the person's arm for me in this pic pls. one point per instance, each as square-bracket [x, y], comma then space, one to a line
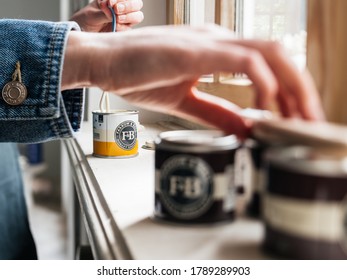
[157, 68]
[46, 113]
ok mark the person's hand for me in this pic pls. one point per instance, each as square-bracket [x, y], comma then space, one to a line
[157, 68]
[97, 17]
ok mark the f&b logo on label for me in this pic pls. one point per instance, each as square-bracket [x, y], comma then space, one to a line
[125, 135]
[186, 186]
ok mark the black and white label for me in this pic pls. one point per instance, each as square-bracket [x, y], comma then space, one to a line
[125, 135]
[186, 186]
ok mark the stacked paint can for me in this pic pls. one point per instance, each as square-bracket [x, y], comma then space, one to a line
[256, 152]
[305, 203]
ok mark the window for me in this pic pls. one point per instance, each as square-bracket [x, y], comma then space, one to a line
[281, 20]
[324, 49]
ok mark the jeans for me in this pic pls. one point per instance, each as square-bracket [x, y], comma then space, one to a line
[16, 241]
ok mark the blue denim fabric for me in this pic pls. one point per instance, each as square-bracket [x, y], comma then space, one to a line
[47, 113]
[16, 241]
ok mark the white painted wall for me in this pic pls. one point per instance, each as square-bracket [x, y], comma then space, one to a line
[30, 9]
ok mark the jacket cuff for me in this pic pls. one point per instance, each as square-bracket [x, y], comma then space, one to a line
[47, 113]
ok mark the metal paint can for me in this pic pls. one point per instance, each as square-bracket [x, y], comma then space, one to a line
[194, 176]
[256, 151]
[305, 203]
[115, 133]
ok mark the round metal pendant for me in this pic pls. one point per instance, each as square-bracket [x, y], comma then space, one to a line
[14, 93]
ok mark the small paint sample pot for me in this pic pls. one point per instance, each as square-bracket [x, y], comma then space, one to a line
[305, 203]
[115, 133]
[194, 176]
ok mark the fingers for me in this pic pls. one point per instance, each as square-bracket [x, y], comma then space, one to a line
[262, 76]
[298, 94]
[185, 101]
[104, 6]
[235, 58]
[128, 12]
[126, 6]
[214, 111]
[130, 19]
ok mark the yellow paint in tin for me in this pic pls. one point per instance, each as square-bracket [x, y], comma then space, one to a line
[115, 133]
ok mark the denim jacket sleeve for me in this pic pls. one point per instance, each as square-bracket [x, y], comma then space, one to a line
[47, 113]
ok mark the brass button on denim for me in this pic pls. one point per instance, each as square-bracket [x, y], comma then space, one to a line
[14, 93]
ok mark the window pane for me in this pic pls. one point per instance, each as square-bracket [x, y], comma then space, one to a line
[261, 26]
[281, 20]
[278, 27]
[279, 6]
[263, 6]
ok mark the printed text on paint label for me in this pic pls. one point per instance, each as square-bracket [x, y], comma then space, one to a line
[126, 134]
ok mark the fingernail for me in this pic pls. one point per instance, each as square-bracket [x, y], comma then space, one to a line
[121, 7]
[113, 2]
[122, 18]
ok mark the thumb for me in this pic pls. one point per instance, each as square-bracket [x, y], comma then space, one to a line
[105, 5]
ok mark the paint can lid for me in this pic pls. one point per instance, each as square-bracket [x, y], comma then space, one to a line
[202, 141]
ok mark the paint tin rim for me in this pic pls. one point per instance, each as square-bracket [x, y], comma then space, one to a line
[187, 141]
[307, 160]
[116, 112]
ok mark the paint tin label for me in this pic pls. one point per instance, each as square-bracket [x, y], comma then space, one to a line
[115, 133]
[304, 203]
[186, 186]
[194, 179]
